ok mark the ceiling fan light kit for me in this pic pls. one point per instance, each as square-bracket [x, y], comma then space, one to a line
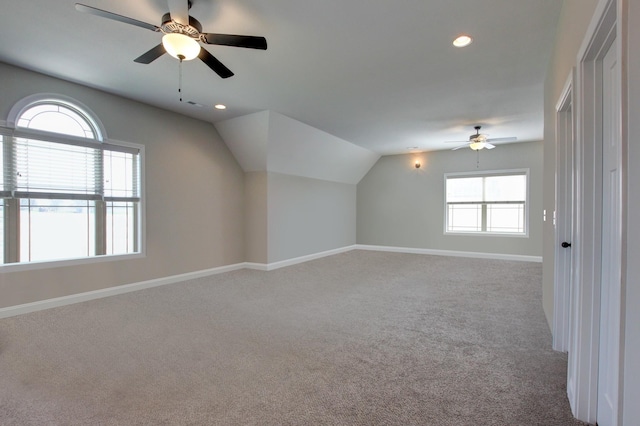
[181, 46]
[476, 146]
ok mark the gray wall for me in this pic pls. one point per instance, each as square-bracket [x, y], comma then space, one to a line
[399, 205]
[255, 192]
[572, 26]
[194, 194]
[292, 216]
[307, 216]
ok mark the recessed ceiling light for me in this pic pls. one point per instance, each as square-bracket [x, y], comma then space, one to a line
[220, 106]
[462, 41]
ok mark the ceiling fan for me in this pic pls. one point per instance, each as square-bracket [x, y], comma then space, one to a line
[480, 141]
[182, 36]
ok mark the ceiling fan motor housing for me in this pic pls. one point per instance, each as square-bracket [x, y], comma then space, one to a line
[169, 26]
[477, 137]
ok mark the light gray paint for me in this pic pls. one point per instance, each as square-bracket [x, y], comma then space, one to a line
[307, 216]
[255, 214]
[399, 205]
[248, 138]
[194, 194]
[268, 141]
[298, 149]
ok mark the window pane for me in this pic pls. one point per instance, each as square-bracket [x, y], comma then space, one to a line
[464, 218]
[505, 188]
[493, 203]
[56, 229]
[464, 189]
[505, 218]
[120, 174]
[121, 230]
[52, 117]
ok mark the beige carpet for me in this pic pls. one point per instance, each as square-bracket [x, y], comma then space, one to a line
[361, 338]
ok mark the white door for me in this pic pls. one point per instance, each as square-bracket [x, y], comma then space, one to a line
[610, 311]
[562, 219]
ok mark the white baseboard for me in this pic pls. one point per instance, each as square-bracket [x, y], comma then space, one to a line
[453, 253]
[256, 266]
[112, 291]
[301, 259]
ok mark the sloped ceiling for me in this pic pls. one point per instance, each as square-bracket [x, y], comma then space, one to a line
[379, 74]
[268, 141]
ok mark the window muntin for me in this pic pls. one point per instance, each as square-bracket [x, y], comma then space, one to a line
[69, 194]
[121, 227]
[58, 117]
[120, 174]
[492, 203]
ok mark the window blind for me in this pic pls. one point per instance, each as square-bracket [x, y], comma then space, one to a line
[5, 175]
[487, 189]
[54, 170]
[67, 168]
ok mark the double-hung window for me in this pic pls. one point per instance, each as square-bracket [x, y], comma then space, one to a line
[66, 193]
[487, 203]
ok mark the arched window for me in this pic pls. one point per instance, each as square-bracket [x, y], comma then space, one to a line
[66, 192]
[55, 116]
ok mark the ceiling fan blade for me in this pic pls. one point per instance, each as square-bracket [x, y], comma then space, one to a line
[250, 42]
[151, 55]
[459, 147]
[114, 16]
[179, 11]
[214, 64]
[456, 141]
[511, 139]
[489, 146]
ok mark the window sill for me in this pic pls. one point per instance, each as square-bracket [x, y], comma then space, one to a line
[49, 264]
[487, 234]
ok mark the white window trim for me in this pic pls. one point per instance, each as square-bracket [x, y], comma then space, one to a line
[485, 173]
[32, 266]
[35, 265]
[24, 103]
[15, 112]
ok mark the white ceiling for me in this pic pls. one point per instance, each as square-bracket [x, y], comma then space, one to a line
[381, 74]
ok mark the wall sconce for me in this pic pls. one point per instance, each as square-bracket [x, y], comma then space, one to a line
[418, 164]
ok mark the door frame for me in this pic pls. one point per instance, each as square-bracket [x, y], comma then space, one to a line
[603, 30]
[608, 412]
[563, 214]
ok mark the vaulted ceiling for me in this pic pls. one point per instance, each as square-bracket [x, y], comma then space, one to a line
[380, 74]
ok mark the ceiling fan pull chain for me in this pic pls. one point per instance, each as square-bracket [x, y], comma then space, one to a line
[180, 80]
